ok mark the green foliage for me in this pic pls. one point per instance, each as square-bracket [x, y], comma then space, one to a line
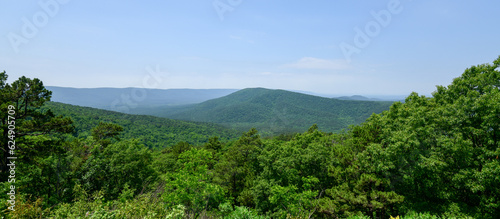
[359, 216]
[104, 131]
[125, 164]
[191, 185]
[25, 208]
[235, 170]
[244, 213]
[213, 144]
[225, 208]
[294, 203]
[293, 176]
[143, 206]
[434, 150]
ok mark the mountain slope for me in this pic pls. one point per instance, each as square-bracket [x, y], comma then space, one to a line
[129, 99]
[154, 132]
[277, 111]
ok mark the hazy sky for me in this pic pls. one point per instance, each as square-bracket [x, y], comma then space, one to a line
[324, 46]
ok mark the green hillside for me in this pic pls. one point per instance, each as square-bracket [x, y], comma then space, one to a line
[277, 111]
[154, 132]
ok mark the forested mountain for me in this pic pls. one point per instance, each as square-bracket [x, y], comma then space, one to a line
[128, 99]
[152, 131]
[277, 111]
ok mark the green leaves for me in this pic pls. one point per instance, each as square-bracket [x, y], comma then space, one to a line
[235, 170]
[105, 131]
[191, 185]
[125, 163]
[296, 202]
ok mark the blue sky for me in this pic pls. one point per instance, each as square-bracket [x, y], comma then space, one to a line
[387, 47]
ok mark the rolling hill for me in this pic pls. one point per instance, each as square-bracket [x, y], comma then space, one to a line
[276, 111]
[152, 131]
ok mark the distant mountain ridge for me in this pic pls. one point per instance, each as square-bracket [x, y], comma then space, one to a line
[127, 99]
[276, 111]
[116, 98]
[357, 97]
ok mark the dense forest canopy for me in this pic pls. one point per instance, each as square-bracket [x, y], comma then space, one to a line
[152, 131]
[426, 157]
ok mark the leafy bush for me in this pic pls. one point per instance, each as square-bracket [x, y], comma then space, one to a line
[244, 213]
